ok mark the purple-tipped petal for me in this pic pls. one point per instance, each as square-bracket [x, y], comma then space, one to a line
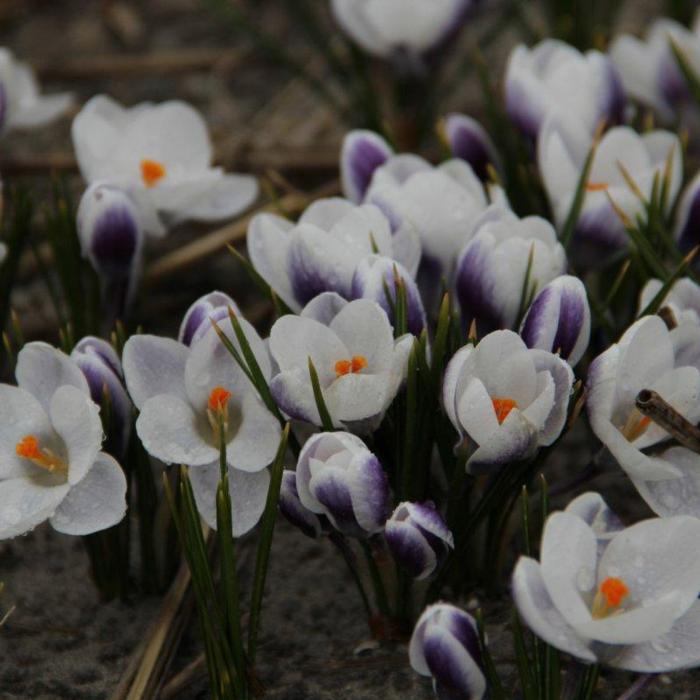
[362, 153]
[311, 524]
[197, 320]
[688, 217]
[468, 140]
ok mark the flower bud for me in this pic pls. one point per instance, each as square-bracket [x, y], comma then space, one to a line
[559, 319]
[362, 153]
[468, 140]
[102, 368]
[445, 645]
[687, 230]
[292, 508]
[337, 476]
[376, 275]
[418, 538]
[198, 318]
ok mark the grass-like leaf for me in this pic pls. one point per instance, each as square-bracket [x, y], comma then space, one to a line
[326, 420]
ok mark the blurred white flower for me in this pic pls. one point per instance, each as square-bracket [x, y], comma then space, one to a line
[51, 466]
[682, 299]
[162, 155]
[21, 105]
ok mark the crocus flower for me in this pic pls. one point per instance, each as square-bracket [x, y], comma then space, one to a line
[321, 253]
[687, 225]
[445, 645]
[102, 368]
[51, 466]
[337, 476]
[559, 319]
[290, 505]
[21, 105]
[506, 398]
[503, 254]
[442, 203]
[161, 154]
[555, 77]
[468, 140]
[376, 276]
[360, 366]
[363, 151]
[621, 155]
[418, 538]
[631, 604]
[648, 68]
[111, 237]
[185, 395]
[652, 357]
[212, 307]
[682, 299]
[386, 28]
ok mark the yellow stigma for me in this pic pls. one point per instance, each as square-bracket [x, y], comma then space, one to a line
[636, 425]
[151, 172]
[611, 593]
[29, 448]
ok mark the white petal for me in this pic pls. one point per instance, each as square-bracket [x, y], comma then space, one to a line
[95, 503]
[256, 439]
[25, 503]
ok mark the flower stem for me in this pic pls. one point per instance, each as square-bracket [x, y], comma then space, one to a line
[342, 545]
[375, 575]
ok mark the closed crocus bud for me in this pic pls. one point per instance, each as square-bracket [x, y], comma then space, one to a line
[375, 276]
[362, 153]
[554, 76]
[418, 538]
[102, 368]
[559, 319]
[681, 303]
[311, 524]
[337, 476]
[687, 229]
[212, 307]
[468, 140]
[111, 238]
[493, 267]
[445, 645]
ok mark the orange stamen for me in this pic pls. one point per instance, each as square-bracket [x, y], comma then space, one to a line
[151, 172]
[29, 448]
[503, 407]
[597, 186]
[354, 366]
[614, 591]
[218, 399]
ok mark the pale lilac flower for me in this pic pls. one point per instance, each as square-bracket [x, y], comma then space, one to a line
[628, 602]
[21, 104]
[559, 319]
[506, 399]
[493, 266]
[687, 224]
[183, 394]
[555, 77]
[362, 153]
[359, 364]
[322, 251]
[445, 645]
[418, 538]
[682, 299]
[468, 140]
[212, 307]
[337, 476]
[162, 155]
[51, 466]
[648, 356]
[290, 505]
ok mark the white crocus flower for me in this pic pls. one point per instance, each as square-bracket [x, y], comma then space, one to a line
[627, 599]
[322, 251]
[648, 68]
[21, 105]
[554, 76]
[442, 203]
[648, 356]
[162, 155]
[682, 299]
[492, 268]
[51, 466]
[386, 27]
[184, 395]
[359, 364]
[622, 155]
[506, 398]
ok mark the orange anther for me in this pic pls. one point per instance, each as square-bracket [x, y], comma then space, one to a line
[597, 186]
[503, 407]
[343, 367]
[359, 362]
[28, 447]
[218, 398]
[151, 172]
[614, 590]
